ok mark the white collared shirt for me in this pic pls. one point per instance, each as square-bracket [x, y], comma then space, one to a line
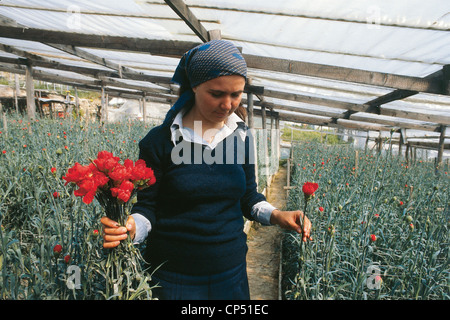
[190, 135]
[261, 211]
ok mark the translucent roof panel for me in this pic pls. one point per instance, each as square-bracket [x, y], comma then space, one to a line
[402, 37]
[373, 35]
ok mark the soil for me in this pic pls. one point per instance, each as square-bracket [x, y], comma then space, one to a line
[264, 246]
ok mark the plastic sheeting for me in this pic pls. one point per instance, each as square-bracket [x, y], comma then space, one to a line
[405, 37]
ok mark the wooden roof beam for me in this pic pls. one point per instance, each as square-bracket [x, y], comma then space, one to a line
[39, 61]
[356, 107]
[177, 48]
[183, 11]
[86, 83]
[359, 117]
[346, 74]
[71, 49]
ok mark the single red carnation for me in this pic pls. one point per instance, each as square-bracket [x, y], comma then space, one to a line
[120, 173]
[57, 250]
[123, 192]
[67, 259]
[309, 188]
[105, 161]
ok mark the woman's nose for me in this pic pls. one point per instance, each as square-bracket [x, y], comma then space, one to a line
[226, 103]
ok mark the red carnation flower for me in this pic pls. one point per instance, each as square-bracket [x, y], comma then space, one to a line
[120, 173]
[373, 238]
[88, 179]
[57, 250]
[109, 181]
[105, 161]
[309, 188]
[123, 192]
[67, 259]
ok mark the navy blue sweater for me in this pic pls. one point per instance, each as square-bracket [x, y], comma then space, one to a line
[196, 210]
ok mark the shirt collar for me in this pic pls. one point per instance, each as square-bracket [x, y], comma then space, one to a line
[231, 124]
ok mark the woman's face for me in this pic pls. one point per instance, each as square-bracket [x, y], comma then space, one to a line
[218, 98]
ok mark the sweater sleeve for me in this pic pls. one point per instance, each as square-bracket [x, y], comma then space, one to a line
[150, 151]
[251, 196]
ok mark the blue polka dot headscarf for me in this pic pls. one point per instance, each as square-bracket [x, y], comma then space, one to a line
[205, 62]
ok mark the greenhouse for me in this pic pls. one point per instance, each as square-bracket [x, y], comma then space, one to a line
[352, 95]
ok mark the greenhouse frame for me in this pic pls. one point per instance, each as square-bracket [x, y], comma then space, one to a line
[371, 66]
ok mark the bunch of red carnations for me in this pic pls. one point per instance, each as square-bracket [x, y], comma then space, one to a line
[111, 182]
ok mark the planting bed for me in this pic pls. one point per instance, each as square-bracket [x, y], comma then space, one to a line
[380, 227]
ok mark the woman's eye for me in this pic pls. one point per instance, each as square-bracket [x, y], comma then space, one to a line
[216, 94]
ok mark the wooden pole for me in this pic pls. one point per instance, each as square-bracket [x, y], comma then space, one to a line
[367, 142]
[16, 92]
[250, 110]
[441, 148]
[103, 108]
[278, 133]
[77, 103]
[407, 153]
[379, 142]
[5, 123]
[265, 146]
[144, 109]
[31, 106]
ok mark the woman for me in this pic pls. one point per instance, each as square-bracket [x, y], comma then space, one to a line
[192, 216]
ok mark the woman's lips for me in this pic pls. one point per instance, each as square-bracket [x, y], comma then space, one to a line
[221, 114]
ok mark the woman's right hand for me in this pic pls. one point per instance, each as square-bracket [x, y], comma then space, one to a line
[113, 233]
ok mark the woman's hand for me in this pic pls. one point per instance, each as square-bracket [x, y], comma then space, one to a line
[292, 220]
[113, 233]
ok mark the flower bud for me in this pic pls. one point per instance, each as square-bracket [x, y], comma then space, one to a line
[331, 230]
[57, 250]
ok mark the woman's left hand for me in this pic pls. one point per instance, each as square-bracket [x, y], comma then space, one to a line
[113, 233]
[292, 220]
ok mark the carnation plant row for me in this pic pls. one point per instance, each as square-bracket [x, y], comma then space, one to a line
[380, 227]
[50, 238]
[56, 183]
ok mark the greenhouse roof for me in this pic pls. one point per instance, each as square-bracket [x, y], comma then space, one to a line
[358, 64]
